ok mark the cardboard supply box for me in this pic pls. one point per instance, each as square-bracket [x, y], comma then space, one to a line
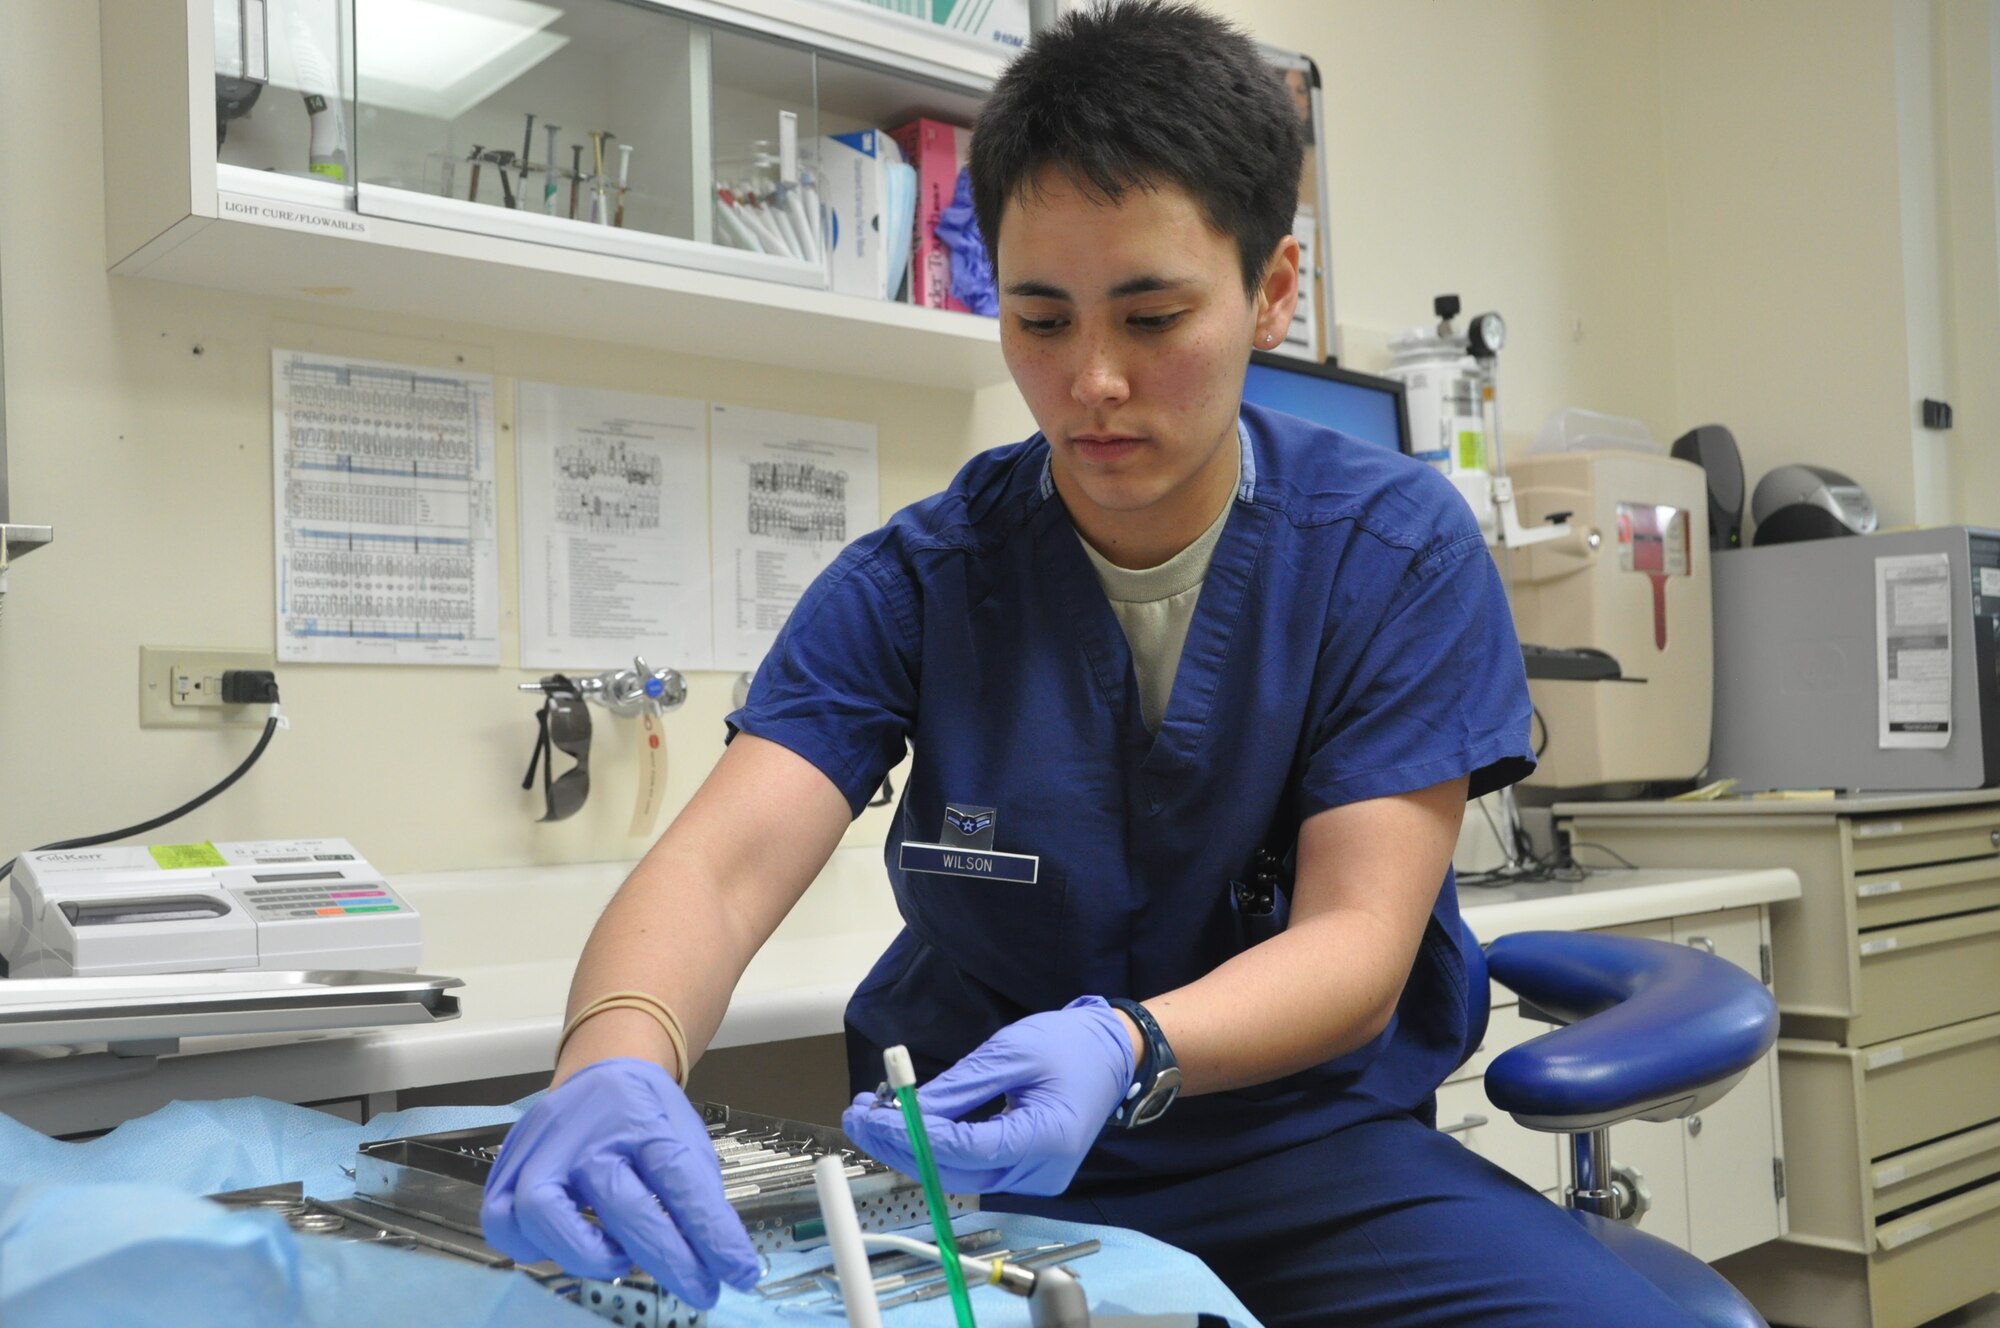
[854, 188]
[938, 152]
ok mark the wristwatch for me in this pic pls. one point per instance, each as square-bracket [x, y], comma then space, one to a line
[1157, 1081]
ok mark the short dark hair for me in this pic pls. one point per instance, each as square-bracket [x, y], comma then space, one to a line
[1131, 95]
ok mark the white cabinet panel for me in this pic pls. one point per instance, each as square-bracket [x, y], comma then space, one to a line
[1732, 1201]
[1528, 1154]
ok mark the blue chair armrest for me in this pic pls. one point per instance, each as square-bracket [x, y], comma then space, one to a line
[1654, 1030]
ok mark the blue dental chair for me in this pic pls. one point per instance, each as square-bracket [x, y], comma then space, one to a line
[1650, 1031]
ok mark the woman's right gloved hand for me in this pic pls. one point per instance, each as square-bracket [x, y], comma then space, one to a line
[621, 1138]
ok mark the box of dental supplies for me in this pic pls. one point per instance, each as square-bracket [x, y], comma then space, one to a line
[869, 195]
[937, 151]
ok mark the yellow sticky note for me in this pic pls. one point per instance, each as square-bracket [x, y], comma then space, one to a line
[172, 856]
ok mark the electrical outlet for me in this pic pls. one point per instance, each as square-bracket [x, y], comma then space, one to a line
[180, 687]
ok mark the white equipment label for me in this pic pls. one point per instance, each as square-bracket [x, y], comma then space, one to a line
[1913, 650]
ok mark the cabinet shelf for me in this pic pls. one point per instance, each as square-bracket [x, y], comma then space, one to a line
[294, 249]
[174, 213]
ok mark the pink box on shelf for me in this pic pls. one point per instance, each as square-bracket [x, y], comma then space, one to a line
[937, 151]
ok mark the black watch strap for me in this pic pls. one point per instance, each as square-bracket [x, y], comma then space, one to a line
[1157, 1081]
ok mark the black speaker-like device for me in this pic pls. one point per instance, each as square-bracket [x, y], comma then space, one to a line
[1713, 448]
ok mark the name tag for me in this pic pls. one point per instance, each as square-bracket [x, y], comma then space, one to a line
[950, 860]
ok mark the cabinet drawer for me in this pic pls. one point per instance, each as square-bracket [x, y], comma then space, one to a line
[1922, 1174]
[1888, 899]
[1490, 1132]
[1505, 1028]
[1937, 1258]
[1883, 843]
[1927, 975]
[1930, 1085]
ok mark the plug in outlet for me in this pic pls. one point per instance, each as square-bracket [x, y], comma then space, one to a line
[181, 687]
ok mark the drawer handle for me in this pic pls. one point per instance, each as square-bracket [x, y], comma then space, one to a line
[1702, 942]
[1473, 1120]
[1940, 1216]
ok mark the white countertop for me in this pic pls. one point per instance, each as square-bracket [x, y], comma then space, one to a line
[514, 935]
[1855, 804]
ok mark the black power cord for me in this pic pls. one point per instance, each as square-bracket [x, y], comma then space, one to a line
[239, 687]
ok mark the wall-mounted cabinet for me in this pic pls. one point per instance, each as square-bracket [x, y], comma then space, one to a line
[546, 165]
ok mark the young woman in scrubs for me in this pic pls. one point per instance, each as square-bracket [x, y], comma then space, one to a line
[1165, 643]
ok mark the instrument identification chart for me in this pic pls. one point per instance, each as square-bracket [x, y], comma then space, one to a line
[788, 491]
[386, 542]
[614, 528]
[1913, 650]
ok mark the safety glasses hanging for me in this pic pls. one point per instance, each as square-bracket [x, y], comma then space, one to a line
[562, 725]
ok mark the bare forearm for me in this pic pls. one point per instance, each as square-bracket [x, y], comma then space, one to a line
[1368, 877]
[669, 932]
[686, 922]
[1311, 993]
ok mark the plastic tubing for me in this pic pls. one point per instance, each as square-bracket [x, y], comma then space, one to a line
[843, 1232]
[903, 1080]
[814, 214]
[782, 219]
[795, 208]
[742, 235]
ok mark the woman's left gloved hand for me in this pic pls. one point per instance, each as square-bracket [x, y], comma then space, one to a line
[1063, 1073]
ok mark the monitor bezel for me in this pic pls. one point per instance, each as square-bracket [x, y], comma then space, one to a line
[1352, 378]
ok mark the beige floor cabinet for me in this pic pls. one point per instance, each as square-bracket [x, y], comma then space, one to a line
[1887, 970]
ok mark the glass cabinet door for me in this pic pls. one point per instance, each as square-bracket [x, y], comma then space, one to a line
[584, 123]
[284, 87]
[623, 127]
[578, 110]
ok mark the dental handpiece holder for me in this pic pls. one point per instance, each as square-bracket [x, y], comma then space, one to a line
[628, 692]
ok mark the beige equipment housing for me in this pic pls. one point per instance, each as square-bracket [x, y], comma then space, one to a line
[1632, 580]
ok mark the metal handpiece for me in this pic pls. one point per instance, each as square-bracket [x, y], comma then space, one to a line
[628, 692]
[931, 1291]
[880, 1262]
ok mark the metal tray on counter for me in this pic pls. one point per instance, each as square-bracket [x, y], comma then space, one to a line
[42, 1012]
[441, 1177]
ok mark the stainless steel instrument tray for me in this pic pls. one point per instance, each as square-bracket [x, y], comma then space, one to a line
[441, 1177]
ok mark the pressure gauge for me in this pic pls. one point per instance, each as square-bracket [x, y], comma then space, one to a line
[1486, 335]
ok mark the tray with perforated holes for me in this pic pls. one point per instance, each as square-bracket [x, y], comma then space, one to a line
[766, 1163]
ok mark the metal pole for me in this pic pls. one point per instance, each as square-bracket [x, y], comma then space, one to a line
[1591, 1187]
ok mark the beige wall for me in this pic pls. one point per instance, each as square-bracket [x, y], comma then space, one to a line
[139, 425]
[1969, 57]
[1511, 153]
[1686, 210]
[1830, 204]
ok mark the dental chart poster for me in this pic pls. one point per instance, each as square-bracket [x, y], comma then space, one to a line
[787, 492]
[614, 529]
[384, 487]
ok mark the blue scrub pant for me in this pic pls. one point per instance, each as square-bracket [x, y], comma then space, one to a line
[1386, 1222]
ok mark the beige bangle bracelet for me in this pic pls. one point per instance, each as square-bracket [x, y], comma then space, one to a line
[634, 1000]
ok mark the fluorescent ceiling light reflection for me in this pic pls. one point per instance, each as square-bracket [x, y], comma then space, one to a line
[443, 57]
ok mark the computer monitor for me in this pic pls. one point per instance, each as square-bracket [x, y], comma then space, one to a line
[1359, 405]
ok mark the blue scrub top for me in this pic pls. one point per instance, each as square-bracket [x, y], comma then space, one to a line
[1352, 641]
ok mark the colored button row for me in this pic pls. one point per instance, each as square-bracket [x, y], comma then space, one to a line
[340, 912]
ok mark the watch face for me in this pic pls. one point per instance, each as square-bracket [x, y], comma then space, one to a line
[1166, 1087]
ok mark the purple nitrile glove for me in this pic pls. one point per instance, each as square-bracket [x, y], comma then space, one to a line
[621, 1138]
[1062, 1072]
